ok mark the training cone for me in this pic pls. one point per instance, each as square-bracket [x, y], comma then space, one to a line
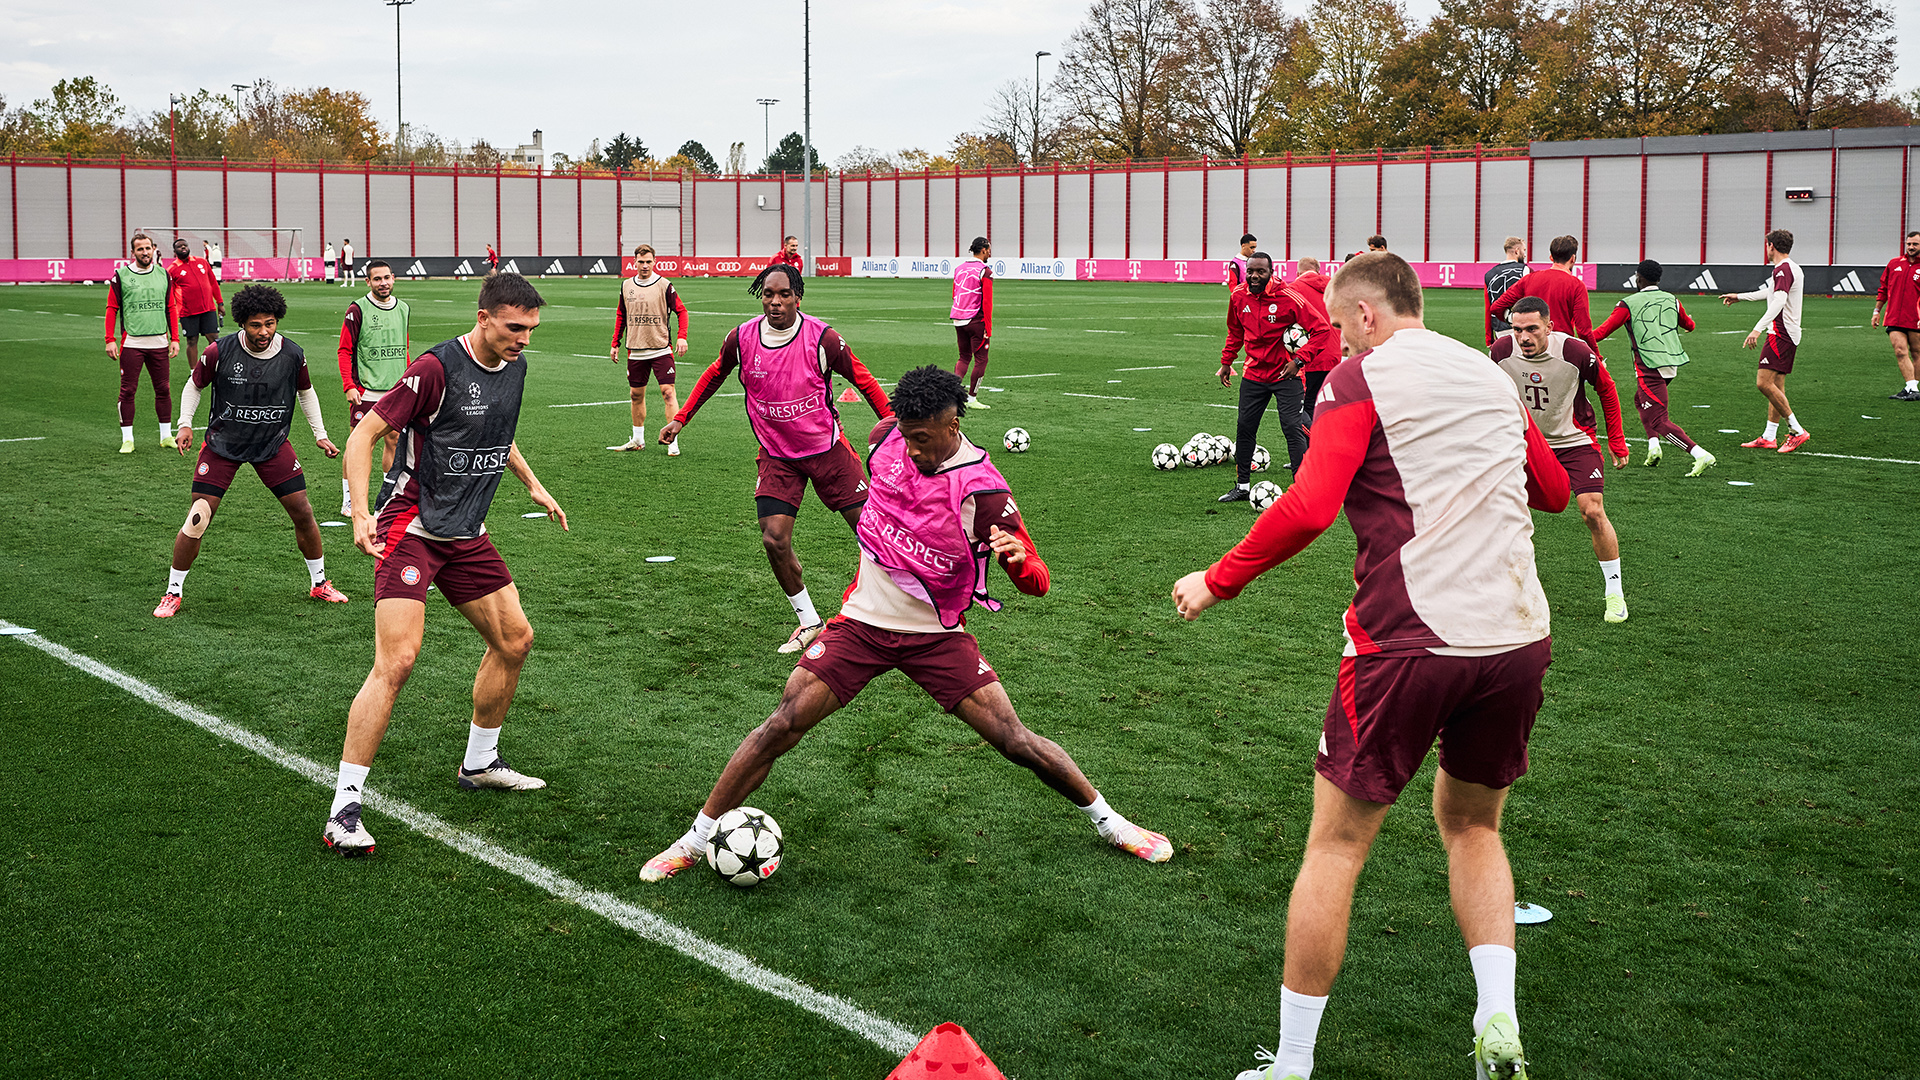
[947, 1051]
[849, 394]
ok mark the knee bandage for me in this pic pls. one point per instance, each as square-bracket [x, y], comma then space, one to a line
[198, 519]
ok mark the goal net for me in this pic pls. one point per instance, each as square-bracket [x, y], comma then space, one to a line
[244, 254]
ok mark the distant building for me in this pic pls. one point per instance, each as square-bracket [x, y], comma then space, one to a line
[533, 154]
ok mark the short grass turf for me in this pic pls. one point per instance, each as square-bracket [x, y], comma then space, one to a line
[1720, 812]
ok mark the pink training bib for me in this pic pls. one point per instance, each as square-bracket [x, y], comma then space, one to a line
[787, 400]
[911, 527]
[967, 296]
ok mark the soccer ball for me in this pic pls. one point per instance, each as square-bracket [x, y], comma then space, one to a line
[1221, 449]
[1262, 460]
[1166, 457]
[1017, 440]
[1262, 495]
[1294, 338]
[745, 846]
[1194, 455]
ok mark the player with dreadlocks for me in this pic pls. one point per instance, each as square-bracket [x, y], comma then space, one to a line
[939, 514]
[786, 360]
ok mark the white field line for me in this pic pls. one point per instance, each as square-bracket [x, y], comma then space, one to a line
[30, 438]
[1159, 367]
[1850, 457]
[881, 1032]
[1102, 397]
[1029, 328]
[1040, 375]
[1086, 331]
[584, 404]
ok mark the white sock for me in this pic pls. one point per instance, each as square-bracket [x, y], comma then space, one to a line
[1610, 570]
[1299, 1030]
[1493, 973]
[1793, 425]
[1105, 819]
[176, 581]
[317, 570]
[126, 432]
[1699, 452]
[166, 429]
[640, 434]
[350, 786]
[1244, 487]
[346, 491]
[1773, 429]
[702, 829]
[482, 746]
[803, 608]
[1653, 447]
[1913, 386]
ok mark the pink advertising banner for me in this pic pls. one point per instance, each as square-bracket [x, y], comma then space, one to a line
[233, 269]
[1433, 275]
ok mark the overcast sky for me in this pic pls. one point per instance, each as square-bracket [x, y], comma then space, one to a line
[888, 74]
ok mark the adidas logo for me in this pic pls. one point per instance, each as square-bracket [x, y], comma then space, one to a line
[862, 487]
[599, 267]
[556, 268]
[1629, 284]
[465, 267]
[1850, 283]
[1596, 475]
[418, 269]
[512, 267]
[1705, 281]
[1010, 510]
[984, 669]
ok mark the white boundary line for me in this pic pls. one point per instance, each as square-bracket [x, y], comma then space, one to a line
[1102, 397]
[30, 438]
[1851, 457]
[1037, 375]
[1157, 367]
[584, 404]
[881, 1032]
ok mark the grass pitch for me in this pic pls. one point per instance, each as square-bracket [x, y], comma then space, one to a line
[1720, 813]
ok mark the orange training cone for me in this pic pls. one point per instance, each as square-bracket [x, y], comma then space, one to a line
[947, 1053]
[849, 394]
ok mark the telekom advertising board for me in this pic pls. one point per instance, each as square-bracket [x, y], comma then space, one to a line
[1433, 275]
[233, 269]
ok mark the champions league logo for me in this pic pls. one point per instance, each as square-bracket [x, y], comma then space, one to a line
[457, 462]
[473, 390]
[1533, 376]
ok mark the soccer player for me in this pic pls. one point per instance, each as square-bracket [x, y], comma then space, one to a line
[785, 360]
[346, 264]
[1310, 284]
[326, 260]
[210, 251]
[201, 305]
[457, 408]
[256, 376]
[972, 316]
[646, 302]
[1898, 301]
[939, 512]
[1236, 267]
[789, 253]
[1565, 293]
[1447, 634]
[1499, 278]
[493, 260]
[1781, 322]
[1551, 370]
[1257, 320]
[375, 344]
[1376, 242]
[1654, 318]
[147, 335]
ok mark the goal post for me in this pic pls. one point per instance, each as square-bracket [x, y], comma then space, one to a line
[247, 253]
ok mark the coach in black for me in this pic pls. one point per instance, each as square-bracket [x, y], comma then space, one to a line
[456, 408]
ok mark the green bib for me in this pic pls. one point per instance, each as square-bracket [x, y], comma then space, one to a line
[1655, 328]
[143, 301]
[381, 356]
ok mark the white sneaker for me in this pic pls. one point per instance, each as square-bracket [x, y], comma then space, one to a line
[345, 834]
[673, 448]
[976, 403]
[499, 776]
[1263, 1071]
[630, 444]
[802, 637]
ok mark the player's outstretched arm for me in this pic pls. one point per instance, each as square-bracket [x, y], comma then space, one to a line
[842, 362]
[705, 387]
[1548, 487]
[357, 460]
[534, 487]
[1610, 408]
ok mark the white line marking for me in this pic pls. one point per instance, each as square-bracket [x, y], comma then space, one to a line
[1041, 375]
[584, 355]
[881, 1032]
[1212, 405]
[1850, 457]
[1102, 397]
[1087, 331]
[1029, 327]
[1730, 332]
[30, 438]
[584, 404]
[1162, 367]
[1856, 326]
[1197, 335]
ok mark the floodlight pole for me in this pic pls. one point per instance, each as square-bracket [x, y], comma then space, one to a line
[766, 127]
[1033, 152]
[806, 139]
[237, 88]
[399, 113]
[173, 100]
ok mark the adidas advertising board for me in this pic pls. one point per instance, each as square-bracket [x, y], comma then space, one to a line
[1715, 278]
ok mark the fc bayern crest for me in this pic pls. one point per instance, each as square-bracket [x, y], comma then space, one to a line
[818, 649]
[1533, 376]
[202, 470]
[411, 575]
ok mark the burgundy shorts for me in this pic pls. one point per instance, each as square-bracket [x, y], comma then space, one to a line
[849, 654]
[838, 478]
[464, 569]
[1777, 353]
[357, 413]
[972, 339]
[1387, 710]
[213, 474]
[660, 367]
[1584, 468]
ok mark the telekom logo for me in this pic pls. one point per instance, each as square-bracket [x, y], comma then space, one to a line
[56, 269]
[1179, 271]
[245, 267]
[1133, 269]
[1093, 269]
[1446, 274]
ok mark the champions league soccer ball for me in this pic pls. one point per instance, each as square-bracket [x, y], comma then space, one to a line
[1017, 440]
[1194, 454]
[745, 846]
[1262, 495]
[1220, 448]
[1262, 460]
[1294, 337]
[1166, 457]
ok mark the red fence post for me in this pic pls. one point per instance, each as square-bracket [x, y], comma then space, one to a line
[1704, 158]
[1206, 187]
[1056, 209]
[13, 199]
[1333, 203]
[1379, 190]
[1287, 235]
[70, 204]
[1643, 199]
[1906, 199]
[1426, 215]
[988, 231]
[498, 238]
[897, 246]
[273, 188]
[1478, 200]
[1089, 209]
[739, 246]
[1530, 200]
[1126, 209]
[366, 193]
[456, 208]
[539, 211]
[956, 212]
[1833, 196]
[1766, 196]
[226, 215]
[320, 181]
[620, 213]
[1586, 197]
[123, 196]
[413, 203]
[926, 212]
[1166, 200]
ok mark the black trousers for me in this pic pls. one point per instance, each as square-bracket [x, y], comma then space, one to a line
[1287, 395]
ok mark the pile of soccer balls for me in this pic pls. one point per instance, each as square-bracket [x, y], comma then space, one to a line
[744, 848]
[1203, 450]
[1017, 441]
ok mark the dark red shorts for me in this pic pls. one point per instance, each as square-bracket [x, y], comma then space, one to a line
[972, 339]
[660, 367]
[1777, 353]
[1387, 710]
[1584, 468]
[849, 654]
[213, 474]
[464, 569]
[838, 478]
[357, 413]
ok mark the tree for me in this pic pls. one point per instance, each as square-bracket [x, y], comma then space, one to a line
[82, 118]
[1662, 66]
[736, 159]
[1011, 119]
[1463, 78]
[1346, 44]
[621, 153]
[18, 133]
[1826, 58]
[1117, 74]
[863, 159]
[786, 157]
[201, 127]
[971, 151]
[1232, 53]
[698, 155]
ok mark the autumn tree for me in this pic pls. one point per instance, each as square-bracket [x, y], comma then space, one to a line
[201, 129]
[1826, 59]
[1663, 66]
[1233, 54]
[1344, 48]
[81, 117]
[698, 155]
[1118, 73]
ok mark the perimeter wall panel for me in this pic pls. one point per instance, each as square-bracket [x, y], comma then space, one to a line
[1404, 215]
[1354, 206]
[1673, 209]
[1452, 211]
[389, 233]
[1307, 208]
[96, 216]
[1109, 215]
[1503, 204]
[1183, 214]
[1867, 207]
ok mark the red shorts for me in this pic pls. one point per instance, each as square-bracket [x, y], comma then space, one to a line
[357, 413]
[849, 654]
[213, 474]
[838, 478]
[1387, 711]
[661, 367]
[464, 569]
[972, 339]
[1777, 353]
[1584, 468]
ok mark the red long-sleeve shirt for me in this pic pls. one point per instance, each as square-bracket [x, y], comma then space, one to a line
[1618, 317]
[840, 361]
[1899, 293]
[1566, 298]
[1257, 322]
[113, 310]
[199, 289]
[1313, 288]
[782, 258]
[350, 344]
